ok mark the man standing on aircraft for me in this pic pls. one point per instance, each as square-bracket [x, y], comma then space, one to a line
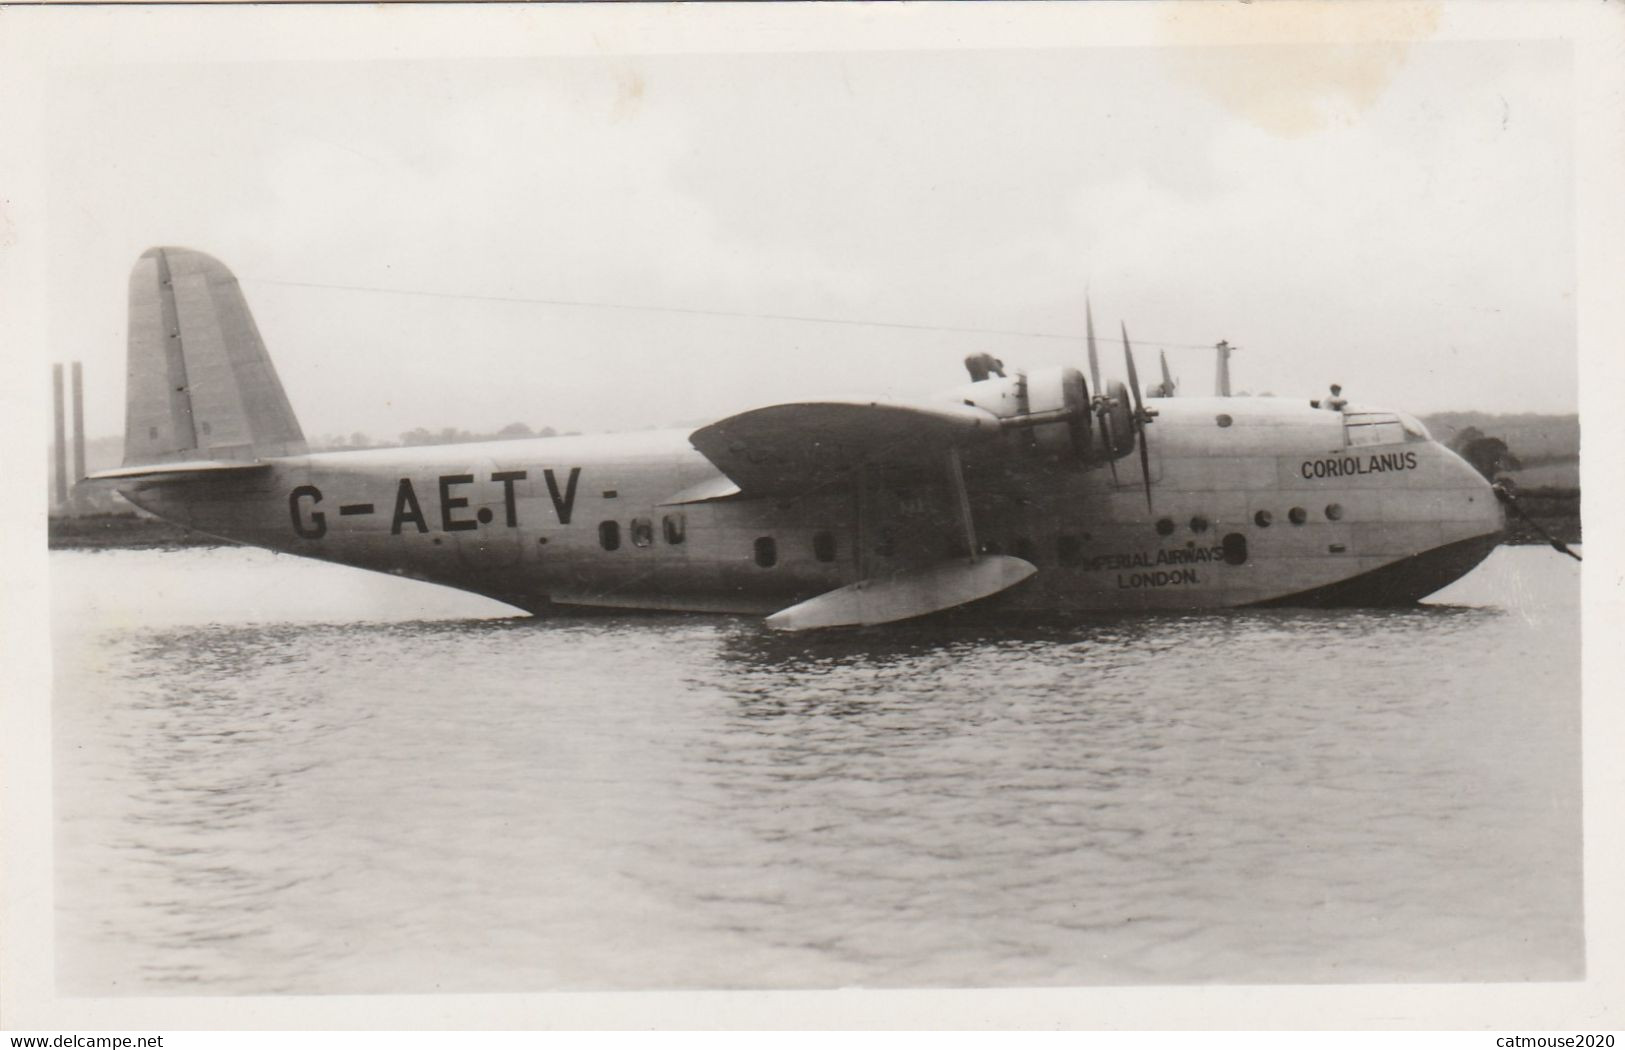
[980, 366]
[1335, 402]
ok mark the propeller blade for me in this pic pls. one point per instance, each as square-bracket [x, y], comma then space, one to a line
[1094, 358]
[1167, 377]
[1139, 417]
[1145, 468]
[1111, 441]
[1133, 374]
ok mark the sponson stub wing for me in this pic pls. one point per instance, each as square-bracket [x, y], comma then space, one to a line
[794, 448]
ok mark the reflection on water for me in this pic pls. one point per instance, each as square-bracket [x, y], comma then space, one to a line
[284, 777]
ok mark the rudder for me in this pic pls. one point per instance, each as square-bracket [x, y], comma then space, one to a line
[200, 383]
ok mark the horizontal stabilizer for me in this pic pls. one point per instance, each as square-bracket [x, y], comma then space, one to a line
[197, 468]
[904, 595]
[792, 448]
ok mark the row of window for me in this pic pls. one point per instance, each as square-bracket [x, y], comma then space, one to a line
[642, 531]
[1068, 548]
[672, 527]
[1298, 516]
[1263, 519]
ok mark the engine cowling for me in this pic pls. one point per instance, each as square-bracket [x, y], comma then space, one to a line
[1050, 415]
[1060, 392]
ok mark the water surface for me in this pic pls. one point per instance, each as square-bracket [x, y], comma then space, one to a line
[278, 776]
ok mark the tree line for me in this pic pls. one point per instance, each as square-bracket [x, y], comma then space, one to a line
[426, 436]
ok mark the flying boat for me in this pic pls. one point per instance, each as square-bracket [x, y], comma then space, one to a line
[1039, 492]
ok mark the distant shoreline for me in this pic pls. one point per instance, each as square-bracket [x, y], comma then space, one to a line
[1556, 510]
[124, 532]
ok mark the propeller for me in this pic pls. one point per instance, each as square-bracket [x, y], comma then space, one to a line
[1102, 403]
[1110, 405]
[1094, 358]
[1104, 411]
[1168, 384]
[1141, 417]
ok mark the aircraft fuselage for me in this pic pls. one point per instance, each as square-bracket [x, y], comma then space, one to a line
[1253, 501]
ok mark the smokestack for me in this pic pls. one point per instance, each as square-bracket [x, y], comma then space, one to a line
[78, 423]
[61, 461]
[1222, 378]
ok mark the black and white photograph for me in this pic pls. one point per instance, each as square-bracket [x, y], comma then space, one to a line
[1049, 499]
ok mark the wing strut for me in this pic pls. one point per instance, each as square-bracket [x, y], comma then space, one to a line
[956, 482]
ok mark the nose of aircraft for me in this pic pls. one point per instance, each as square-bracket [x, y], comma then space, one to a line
[1475, 503]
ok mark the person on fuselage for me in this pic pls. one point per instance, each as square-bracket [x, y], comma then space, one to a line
[1335, 402]
[980, 366]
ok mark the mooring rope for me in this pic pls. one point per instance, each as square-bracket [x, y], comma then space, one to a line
[1505, 495]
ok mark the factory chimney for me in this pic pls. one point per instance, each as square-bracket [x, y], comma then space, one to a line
[60, 492]
[78, 429]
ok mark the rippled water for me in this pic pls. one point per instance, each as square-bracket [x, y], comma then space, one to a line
[278, 776]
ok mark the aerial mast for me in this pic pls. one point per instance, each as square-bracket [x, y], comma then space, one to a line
[1222, 377]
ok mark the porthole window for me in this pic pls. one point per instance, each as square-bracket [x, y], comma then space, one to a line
[1334, 512]
[1297, 515]
[643, 532]
[824, 546]
[673, 525]
[1068, 550]
[1165, 527]
[1223, 419]
[767, 552]
[1199, 524]
[1263, 518]
[1235, 549]
[609, 535]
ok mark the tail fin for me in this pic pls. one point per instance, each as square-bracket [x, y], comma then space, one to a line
[200, 384]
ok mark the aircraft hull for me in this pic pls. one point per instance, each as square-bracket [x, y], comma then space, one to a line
[1282, 512]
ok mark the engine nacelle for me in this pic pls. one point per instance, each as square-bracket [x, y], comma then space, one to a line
[1059, 392]
[1047, 411]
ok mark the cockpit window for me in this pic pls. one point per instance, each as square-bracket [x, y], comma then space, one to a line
[1414, 430]
[1383, 428]
[1372, 428]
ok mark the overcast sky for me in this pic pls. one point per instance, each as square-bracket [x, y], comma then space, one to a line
[1399, 219]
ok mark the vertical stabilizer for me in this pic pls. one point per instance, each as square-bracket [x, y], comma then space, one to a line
[200, 384]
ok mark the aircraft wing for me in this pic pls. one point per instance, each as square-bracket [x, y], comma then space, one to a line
[794, 447]
[183, 470]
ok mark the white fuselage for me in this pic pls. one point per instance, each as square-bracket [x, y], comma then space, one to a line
[1253, 500]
